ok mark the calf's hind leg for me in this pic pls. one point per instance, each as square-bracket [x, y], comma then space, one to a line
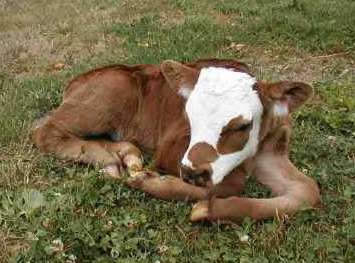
[271, 167]
[292, 190]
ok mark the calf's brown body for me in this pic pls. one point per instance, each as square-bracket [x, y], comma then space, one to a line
[137, 108]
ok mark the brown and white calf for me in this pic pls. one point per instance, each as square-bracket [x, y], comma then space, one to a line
[209, 123]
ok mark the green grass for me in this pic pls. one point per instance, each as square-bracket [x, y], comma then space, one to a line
[283, 25]
[315, 26]
[53, 211]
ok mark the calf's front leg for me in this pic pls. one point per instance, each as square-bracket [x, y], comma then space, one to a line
[291, 188]
[166, 187]
[169, 187]
[167, 158]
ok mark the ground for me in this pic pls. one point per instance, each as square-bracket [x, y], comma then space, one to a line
[52, 211]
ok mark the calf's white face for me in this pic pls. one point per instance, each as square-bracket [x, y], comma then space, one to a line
[224, 112]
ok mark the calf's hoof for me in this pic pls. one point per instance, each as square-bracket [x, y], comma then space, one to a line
[199, 212]
[111, 171]
[138, 179]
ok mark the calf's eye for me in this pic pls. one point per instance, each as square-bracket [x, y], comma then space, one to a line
[241, 127]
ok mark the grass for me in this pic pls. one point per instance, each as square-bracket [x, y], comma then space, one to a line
[52, 211]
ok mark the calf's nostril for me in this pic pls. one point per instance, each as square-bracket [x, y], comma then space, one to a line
[202, 179]
[198, 177]
[188, 174]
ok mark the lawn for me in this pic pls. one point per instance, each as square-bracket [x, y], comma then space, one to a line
[53, 211]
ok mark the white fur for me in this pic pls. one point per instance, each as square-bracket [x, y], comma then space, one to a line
[186, 162]
[185, 92]
[220, 95]
[280, 109]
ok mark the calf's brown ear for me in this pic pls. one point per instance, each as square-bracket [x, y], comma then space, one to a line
[285, 96]
[180, 77]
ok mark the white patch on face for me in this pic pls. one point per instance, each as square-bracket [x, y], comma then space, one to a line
[186, 162]
[220, 95]
[185, 92]
[280, 109]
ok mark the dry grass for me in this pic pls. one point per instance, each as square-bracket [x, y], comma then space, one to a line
[37, 34]
[10, 245]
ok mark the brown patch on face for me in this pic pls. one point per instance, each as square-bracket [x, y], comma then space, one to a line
[234, 135]
[202, 153]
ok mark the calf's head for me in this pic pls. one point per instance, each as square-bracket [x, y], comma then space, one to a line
[226, 110]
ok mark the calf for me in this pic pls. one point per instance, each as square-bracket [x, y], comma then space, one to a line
[207, 123]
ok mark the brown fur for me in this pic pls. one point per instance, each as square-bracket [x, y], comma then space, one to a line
[202, 152]
[292, 190]
[234, 136]
[141, 105]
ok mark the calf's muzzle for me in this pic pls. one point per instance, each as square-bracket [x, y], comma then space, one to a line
[198, 176]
